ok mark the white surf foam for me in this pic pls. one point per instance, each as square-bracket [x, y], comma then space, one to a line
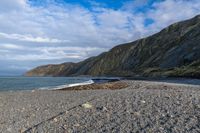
[67, 85]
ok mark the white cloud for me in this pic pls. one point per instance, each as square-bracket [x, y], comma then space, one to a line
[19, 67]
[30, 38]
[171, 11]
[12, 5]
[24, 53]
[75, 24]
[11, 46]
[38, 57]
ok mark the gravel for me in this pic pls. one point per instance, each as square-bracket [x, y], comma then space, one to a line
[144, 106]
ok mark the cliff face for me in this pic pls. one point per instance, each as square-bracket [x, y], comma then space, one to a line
[174, 51]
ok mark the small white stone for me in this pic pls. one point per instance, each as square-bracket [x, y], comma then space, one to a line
[87, 105]
[105, 109]
[143, 101]
[136, 113]
[55, 120]
[23, 109]
[66, 112]
[22, 130]
[77, 125]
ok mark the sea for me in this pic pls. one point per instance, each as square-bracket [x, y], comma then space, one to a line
[46, 83]
[41, 83]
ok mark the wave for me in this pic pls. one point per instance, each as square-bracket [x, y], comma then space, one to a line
[67, 85]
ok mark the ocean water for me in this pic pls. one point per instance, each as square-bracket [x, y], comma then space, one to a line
[32, 83]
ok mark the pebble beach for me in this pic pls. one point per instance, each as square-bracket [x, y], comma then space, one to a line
[142, 106]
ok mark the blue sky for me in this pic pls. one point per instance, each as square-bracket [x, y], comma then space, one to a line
[112, 4]
[37, 32]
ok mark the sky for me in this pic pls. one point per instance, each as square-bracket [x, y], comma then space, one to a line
[38, 32]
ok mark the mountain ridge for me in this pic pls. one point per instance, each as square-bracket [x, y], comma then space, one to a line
[174, 51]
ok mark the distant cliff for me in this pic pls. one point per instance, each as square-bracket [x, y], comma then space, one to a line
[174, 51]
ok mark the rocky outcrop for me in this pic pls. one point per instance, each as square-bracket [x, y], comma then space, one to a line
[174, 51]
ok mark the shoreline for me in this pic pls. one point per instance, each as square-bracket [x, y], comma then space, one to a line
[98, 82]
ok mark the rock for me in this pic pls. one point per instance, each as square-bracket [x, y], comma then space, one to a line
[101, 108]
[22, 130]
[66, 112]
[87, 105]
[77, 125]
[136, 113]
[55, 120]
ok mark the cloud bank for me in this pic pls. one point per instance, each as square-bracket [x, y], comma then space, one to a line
[32, 34]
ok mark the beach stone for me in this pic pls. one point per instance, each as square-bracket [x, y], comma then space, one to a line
[55, 120]
[136, 113]
[87, 105]
[22, 130]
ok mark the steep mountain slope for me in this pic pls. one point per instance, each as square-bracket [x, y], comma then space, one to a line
[174, 51]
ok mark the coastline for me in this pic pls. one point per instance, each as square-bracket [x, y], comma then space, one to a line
[110, 109]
